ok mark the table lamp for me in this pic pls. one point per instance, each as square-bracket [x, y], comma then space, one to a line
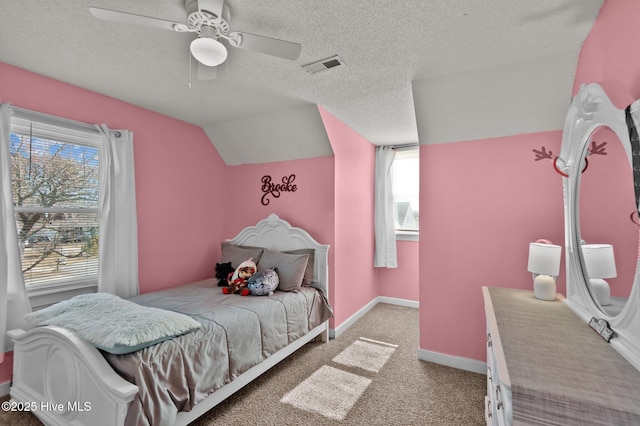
[544, 264]
[600, 263]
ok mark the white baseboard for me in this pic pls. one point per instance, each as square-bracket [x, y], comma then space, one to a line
[400, 302]
[353, 318]
[461, 363]
[333, 333]
[4, 388]
[467, 364]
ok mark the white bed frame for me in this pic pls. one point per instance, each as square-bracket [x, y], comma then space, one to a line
[66, 381]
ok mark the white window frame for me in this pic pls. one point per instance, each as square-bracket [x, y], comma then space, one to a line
[57, 128]
[407, 151]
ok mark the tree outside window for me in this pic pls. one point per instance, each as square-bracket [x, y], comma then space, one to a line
[55, 185]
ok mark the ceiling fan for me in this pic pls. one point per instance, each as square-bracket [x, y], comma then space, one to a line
[209, 19]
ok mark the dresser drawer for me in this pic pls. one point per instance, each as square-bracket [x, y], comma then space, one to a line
[498, 407]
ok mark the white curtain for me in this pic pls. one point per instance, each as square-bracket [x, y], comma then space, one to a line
[14, 302]
[118, 249]
[385, 233]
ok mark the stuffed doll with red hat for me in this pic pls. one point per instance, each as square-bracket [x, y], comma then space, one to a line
[240, 278]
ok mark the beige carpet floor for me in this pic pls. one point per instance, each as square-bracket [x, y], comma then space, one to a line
[401, 390]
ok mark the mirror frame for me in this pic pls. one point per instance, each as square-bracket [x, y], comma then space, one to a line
[590, 109]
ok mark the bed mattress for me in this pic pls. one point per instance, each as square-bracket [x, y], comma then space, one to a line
[237, 333]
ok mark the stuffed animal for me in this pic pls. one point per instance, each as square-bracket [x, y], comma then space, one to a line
[224, 272]
[239, 279]
[263, 283]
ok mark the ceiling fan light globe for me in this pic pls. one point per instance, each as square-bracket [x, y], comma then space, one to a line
[208, 51]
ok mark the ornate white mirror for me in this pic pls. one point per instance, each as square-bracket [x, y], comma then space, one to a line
[601, 217]
[607, 221]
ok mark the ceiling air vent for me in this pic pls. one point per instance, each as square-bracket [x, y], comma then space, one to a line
[323, 65]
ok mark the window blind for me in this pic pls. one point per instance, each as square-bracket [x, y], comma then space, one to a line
[55, 184]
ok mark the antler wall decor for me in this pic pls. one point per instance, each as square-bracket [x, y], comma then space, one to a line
[542, 154]
[596, 149]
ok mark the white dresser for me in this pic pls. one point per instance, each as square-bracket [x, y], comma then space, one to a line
[545, 366]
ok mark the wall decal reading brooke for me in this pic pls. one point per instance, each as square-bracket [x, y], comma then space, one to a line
[274, 189]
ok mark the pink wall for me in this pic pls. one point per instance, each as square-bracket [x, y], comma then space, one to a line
[402, 282]
[179, 177]
[354, 279]
[482, 203]
[608, 53]
[310, 207]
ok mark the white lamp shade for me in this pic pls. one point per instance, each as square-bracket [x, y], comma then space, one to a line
[208, 51]
[544, 259]
[599, 260]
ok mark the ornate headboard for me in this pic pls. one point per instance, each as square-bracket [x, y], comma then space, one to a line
[277, 234]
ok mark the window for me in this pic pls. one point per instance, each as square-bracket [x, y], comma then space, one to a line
[406, 190]
[55, 170]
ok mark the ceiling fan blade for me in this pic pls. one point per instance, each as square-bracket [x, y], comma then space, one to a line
[130, 18]
[270, 46]
[207, 73]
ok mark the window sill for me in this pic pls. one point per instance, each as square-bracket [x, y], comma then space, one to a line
[407, 235]
[43, 296]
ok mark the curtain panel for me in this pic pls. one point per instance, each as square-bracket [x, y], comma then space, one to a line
[118, 249]
[385, 232]
[14, 302]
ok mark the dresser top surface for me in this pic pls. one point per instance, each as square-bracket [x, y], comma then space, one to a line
[554, 358]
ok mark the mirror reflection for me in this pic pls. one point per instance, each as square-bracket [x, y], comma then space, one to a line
[609, 235]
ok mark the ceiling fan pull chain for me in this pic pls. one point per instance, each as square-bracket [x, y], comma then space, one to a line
[189, 70]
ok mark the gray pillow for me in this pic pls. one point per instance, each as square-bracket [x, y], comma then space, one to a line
[238, 254]
[308, 273]
[291, 268]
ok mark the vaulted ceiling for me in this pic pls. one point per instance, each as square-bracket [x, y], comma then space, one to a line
[387, 47]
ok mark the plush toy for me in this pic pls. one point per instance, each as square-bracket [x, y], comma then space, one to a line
[224, 272]
[239, 279]
[263, 283]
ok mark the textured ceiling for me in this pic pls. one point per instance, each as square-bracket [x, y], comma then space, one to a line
[386, 46]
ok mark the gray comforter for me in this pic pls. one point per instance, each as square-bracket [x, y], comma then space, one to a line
[237, 333]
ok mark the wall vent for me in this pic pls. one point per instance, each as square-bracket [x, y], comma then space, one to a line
[323, 65]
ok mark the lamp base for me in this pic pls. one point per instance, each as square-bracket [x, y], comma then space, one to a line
[600, 291]
[544, 287]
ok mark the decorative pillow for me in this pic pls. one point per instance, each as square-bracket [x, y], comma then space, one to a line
[114, 324]
[308, 273]
[238, 254]
[291, 268]
[263, 283]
